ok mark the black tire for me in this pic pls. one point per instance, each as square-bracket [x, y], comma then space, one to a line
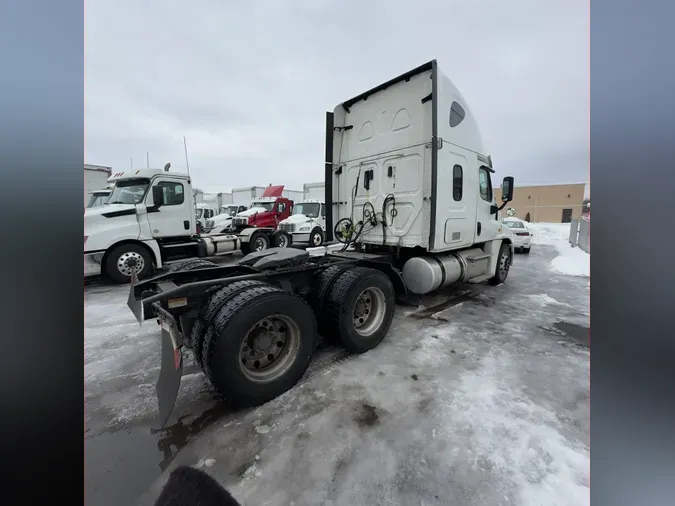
[119, 262]
[324, 283]
[503, 266]
[347, 298]
[316, 238]
[526, 251]
[202, 324]
[222, 357]
[281, 239]
[190, 265]
[259, 241]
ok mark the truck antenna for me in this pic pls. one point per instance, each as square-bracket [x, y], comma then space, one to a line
[147, 159]
[131, 163]
[187, 163]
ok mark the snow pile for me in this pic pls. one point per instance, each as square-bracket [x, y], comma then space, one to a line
[516, 438]
[572, 261]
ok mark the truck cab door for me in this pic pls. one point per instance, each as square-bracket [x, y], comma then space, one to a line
[175, 218]
[486, 221]
[281, 211]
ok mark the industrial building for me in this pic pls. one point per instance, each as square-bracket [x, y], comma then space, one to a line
[555, 203]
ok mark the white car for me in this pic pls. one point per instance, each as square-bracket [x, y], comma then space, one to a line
[522, 237]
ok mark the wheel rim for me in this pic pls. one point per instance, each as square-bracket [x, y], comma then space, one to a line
[316, 239]
[504, 264]
[269, 348]
[130, 262]
[282, 242]
[369, 311]
[259, 244]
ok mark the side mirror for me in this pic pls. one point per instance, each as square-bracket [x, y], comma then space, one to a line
[157, 196]
[507, 189]
[494, 209]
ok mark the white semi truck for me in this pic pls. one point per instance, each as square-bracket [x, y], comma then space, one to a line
[98, 197]
[95, 178]
[408, 191]
[149, 219]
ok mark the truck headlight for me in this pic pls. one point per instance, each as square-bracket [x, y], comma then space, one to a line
[304, 229]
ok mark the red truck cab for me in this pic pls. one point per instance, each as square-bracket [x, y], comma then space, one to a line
[255, 226]
[265, 211]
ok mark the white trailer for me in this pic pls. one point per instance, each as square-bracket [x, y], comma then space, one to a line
[217, 200]
[314, 191]
[244, 196]
[95, 178]
[294, 195]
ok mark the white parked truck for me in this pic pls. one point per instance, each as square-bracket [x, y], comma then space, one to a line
[306, 224]
[98, 197]
[95, 177]
[409, 194]
[314, 191]
[149, 219]
[203, 213]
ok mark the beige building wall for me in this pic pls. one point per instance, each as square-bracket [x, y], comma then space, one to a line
[546, 203]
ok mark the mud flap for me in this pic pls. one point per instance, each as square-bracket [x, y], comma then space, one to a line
[135, 305]
[171, 371]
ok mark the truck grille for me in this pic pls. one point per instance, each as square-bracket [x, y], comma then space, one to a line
[287, 227]
[239, 221]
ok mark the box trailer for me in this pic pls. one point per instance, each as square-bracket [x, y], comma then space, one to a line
[314, 191]
[244, 196]
[294, 195]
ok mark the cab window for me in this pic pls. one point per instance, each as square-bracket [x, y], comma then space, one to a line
[485, 185]
[173, 193]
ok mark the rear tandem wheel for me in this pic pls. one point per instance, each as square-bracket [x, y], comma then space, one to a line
[360, 307]
[202, 324]
[259, 345]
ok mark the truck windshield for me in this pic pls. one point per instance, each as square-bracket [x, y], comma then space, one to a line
[130, 191]
[229, 210]
[514, 224]
[267, 206]
[311, 210]
[96, 200]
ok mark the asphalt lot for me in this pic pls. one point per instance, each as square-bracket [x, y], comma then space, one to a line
[480, 396]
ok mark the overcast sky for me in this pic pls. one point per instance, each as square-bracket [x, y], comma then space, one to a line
[248, 83]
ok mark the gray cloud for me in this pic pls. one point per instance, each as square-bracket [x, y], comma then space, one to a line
[248, 84]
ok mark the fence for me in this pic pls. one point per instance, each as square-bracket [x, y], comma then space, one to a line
[580, 234]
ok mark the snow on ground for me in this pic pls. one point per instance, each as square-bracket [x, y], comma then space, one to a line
[571, 261]
[482, 403]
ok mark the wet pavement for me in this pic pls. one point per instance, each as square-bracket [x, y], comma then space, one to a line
[446, 401]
